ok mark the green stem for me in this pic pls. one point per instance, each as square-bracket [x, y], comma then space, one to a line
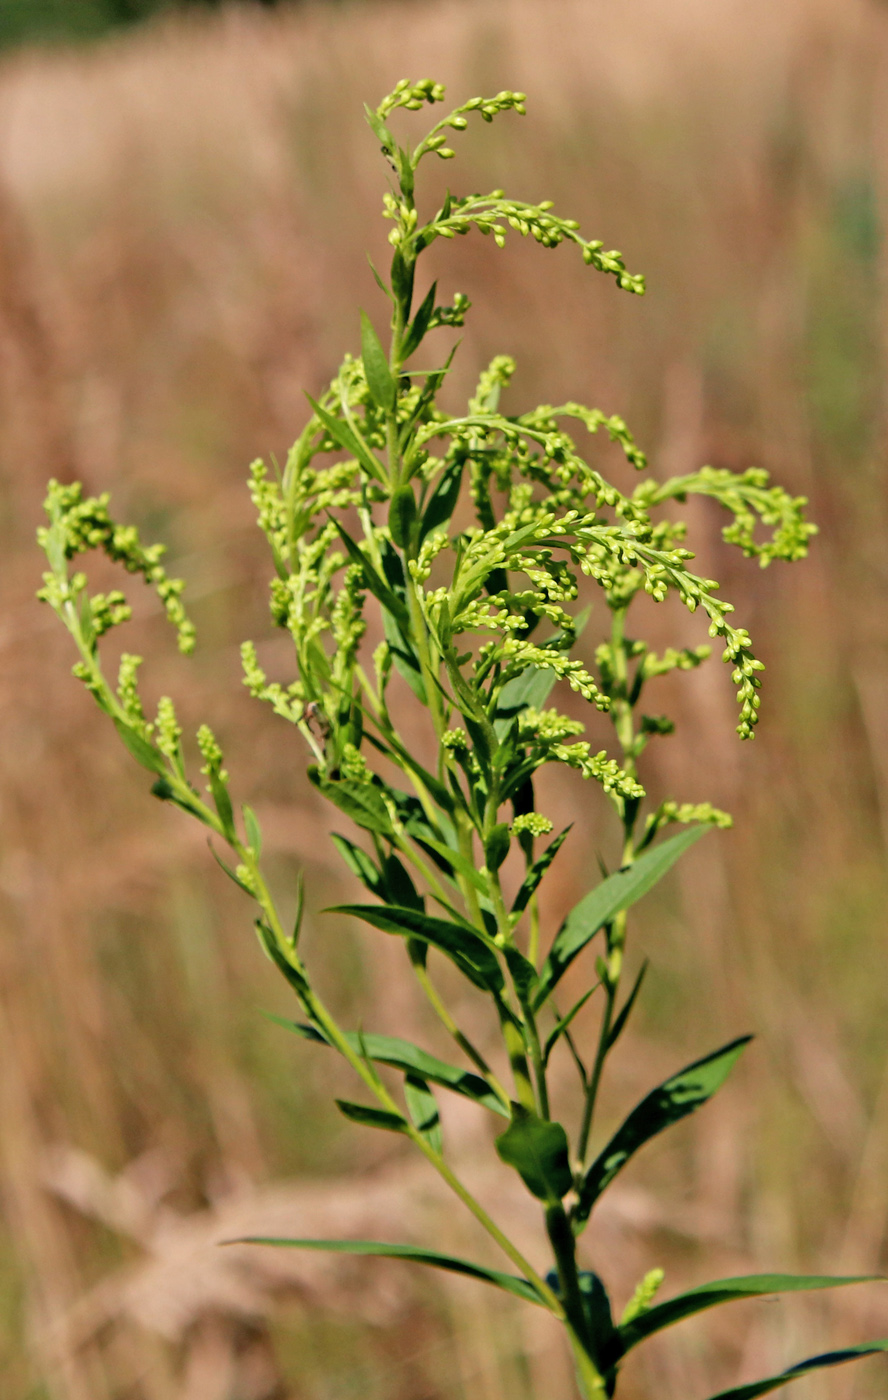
[323, 1018]
[462, 1040]
[561, 1237]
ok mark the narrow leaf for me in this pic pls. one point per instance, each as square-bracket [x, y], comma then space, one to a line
[142, 751]
[725, 1290]
[376, 367]
[359, 863]
[614, 894]
[529, 690]
[379, 282]
[458, 941]
[377, 585]
[558, 1031]
[625, 1012]
[403, 1055]
[383, 135]
[537, 871]
[668, 1104]
[378, 1250]
[372, 1117]
[538, 1151]
[417, 331]
[442, 499]
[402, 517]
[804, 1368]
[423, 1109]
[360, 801]
[254, 834]
[342, 433]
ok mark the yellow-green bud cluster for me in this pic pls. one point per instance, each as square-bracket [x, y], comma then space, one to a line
[534, 823]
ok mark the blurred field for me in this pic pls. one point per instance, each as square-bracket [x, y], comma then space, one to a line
[184, 216]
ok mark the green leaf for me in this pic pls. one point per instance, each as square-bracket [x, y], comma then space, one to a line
[359, 863]
[381, 131]
[232, 874]
[524, 974]
[379, 282]
[668, 1104]
[403, 655]
[411, 1059]
[219, 790]
[497, 846]
[442, 499]
[254, 834]
[423, 1109]
[375, 583]
[402, 517]
[377, 1250]
[342, 433]
[417, 331]
[372, 1117]
[803, 1368]
[537, 871]
[360, 801]
[402, 273]
[538, 1151]
[376, 367]
[458, 941]
[558, 1030]
[142, 751]
[620, 1023]
[725, 1290]
[614, 894]
[529, 690]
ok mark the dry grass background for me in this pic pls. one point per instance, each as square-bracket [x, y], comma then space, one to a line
[183, 221]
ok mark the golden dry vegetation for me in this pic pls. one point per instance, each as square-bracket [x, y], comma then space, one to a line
[184, 216]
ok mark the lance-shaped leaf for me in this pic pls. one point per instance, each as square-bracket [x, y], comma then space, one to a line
[376, 367]
[803, 1368]
[343, 434]
[141, 749]
[378, 586]
[413, 1254]
[372, 1117]
[411, 1059]
[423, 1109]
[402, 517]
[531, 688]
[537, 871]
[415, 335]
[725, 1290]
[442, 499]
[360, 801]
[538, 1150]
[672, 1101]
[608, 899]
[458, 941]
[626, 1010]
[564, 1023]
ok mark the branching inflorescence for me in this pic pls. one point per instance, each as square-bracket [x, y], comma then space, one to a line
[479, 620]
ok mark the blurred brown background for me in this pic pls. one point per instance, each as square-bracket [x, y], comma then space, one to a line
[184, 215]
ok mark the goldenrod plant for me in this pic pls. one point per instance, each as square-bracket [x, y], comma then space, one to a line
[459, 541]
